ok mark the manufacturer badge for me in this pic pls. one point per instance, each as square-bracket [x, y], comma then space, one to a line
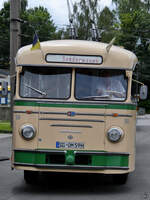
[70, 137]
[71, 114]
[18, 117]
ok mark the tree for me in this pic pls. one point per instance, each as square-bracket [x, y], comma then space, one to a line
[87, 15]
[126, 6]
[133, 33]
[82, 19]
[106, 23]
[36, 19]
[4, 36]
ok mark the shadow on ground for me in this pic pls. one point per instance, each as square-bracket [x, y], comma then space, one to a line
[68, 183]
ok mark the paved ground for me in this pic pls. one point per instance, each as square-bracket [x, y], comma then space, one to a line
[78, 186]
[143, 120]
[4, 155]
[2, 136]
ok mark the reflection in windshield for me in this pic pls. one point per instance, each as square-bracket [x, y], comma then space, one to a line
[96, 84]
[45, 83]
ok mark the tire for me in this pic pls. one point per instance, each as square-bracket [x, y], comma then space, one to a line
[120, 179]
[31, 177]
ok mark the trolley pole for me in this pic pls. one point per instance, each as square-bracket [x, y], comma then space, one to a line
[15, 6]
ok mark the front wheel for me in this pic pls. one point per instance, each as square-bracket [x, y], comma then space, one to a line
[31, 177]
[120, 178]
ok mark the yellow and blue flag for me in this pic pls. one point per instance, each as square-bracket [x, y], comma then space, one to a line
[36, 42]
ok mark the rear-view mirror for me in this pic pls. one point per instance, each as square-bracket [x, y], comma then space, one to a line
[143, 92]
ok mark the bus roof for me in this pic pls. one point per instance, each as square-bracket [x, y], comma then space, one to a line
[116, 58]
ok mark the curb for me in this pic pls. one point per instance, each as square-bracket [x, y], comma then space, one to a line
[147, 116]
[4, 136]
[3, 158]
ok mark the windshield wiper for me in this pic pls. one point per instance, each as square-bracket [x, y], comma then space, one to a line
[96, 97]
[116, 93]
[39, 91]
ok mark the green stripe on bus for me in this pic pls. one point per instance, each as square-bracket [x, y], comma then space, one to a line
[61, 105]
[111, 160]
[25, 103]
[29, 157]
[95, 160]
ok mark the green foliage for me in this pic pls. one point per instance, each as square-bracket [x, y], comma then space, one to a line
[145, 104]
[86, 12]
[106, 23]
[4, 36]
[37, 18]
[134, 28]
[5, 127]
[129, 23]
[82, 19]
[133, 21]
[126, 6]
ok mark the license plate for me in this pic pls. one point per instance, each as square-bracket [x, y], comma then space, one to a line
[70, 145]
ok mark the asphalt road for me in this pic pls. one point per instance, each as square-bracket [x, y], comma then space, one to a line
[78, 186]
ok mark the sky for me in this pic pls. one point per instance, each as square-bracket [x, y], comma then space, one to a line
[58, 8]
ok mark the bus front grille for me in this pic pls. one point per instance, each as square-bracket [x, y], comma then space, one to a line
[71, 159]
[55, 159]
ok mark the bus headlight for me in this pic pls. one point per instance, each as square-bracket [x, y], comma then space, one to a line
[114, 134]
[27, 132]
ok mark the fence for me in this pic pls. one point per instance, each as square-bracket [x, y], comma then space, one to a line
[4, 113]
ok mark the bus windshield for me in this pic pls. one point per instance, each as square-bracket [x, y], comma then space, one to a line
[52, 83]
[100, 84]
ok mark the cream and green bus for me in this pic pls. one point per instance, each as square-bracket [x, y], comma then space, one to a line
[73, 110]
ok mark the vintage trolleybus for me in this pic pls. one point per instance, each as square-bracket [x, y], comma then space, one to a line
[73, 110]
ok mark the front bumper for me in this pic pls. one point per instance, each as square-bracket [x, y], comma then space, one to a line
[71, 159]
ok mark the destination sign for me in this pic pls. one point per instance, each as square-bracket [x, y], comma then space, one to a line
[81, 59]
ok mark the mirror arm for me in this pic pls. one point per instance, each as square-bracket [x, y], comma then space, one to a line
[138, 82]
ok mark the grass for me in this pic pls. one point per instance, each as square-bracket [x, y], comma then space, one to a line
[5, 127]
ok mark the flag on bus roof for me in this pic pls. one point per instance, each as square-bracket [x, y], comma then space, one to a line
[36, 42]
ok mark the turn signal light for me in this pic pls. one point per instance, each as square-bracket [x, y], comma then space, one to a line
[28, 111]
[115, 114]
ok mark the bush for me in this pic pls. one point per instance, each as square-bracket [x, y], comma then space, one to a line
[145, 104]
[5, 127]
